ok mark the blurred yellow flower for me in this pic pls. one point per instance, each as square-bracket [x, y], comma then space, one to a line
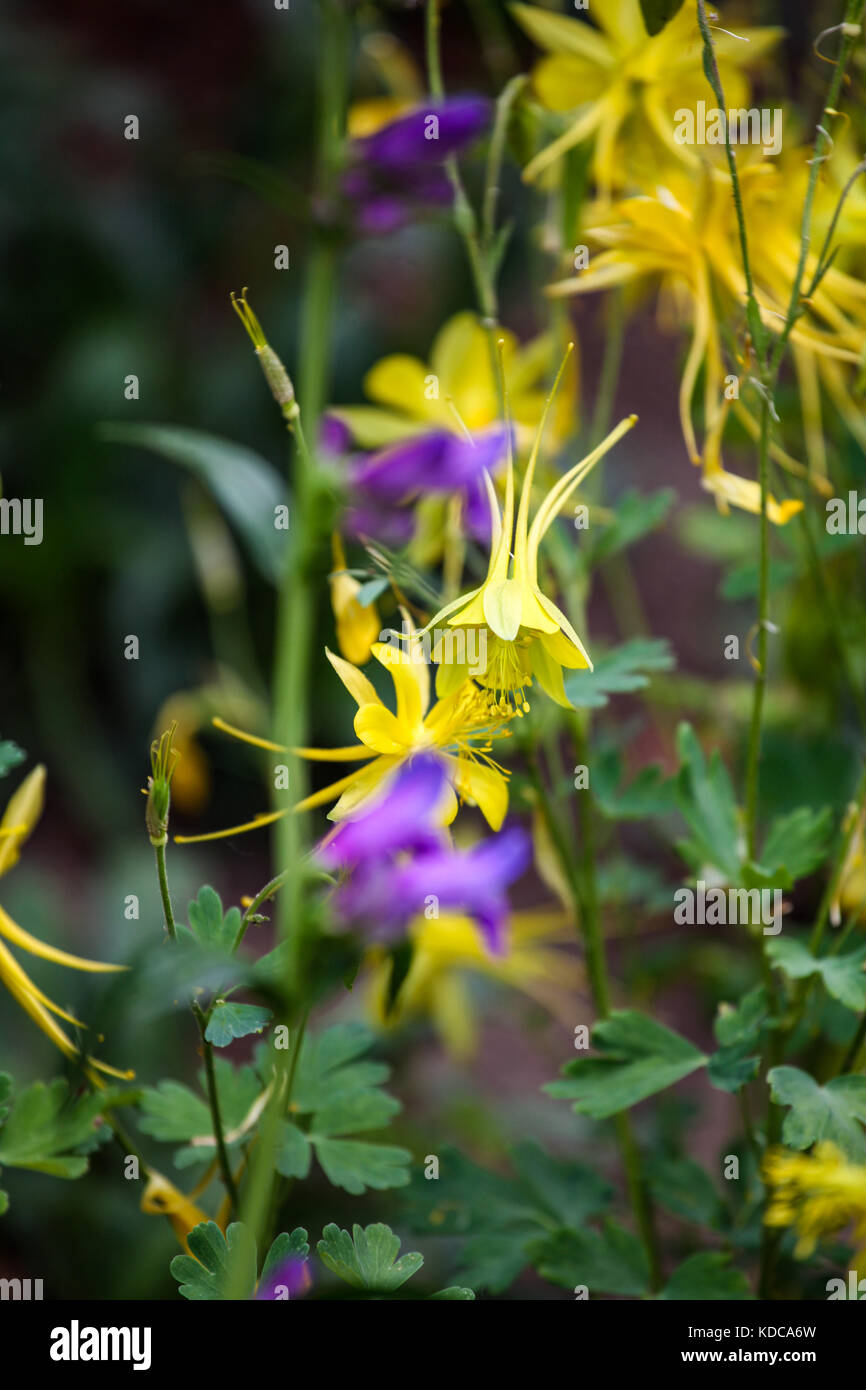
[357, 624]
[623, 88]
[18, 822]
[458, 389]
[447, 951]
[162, 1198]
[683, 235]
[817, 1194]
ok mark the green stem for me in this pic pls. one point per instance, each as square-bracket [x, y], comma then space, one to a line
[213, 1101]
[853, 17]
[297, 600]
[168, 913]
[464, 216]
[269, 890]
[754, 747]
[583, 887]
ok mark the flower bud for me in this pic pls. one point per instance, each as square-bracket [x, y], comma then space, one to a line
[163, 761]
[276, 375]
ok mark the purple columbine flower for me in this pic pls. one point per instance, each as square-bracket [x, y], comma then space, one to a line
[473, 883]
[436, 461]
[399, 858]
[289, 1278]
[403, 819]
[400, 167]
[427, 135]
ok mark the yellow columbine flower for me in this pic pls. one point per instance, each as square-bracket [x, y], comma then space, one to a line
[357, 625]
[625, 88]
[523, 632]
[449, 949]
[162, 1198]
[817, 1194]
[460, 727]
[457, 390]
[17, 824]
[683, 235]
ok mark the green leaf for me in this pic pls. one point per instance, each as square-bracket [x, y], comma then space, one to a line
[649, 793]
[373, 589]
[684, 1188]
[229, 1021]
[657, 13]
[622, 670]
[504, 1215]
[5, 1094]
[639, 1058]
[739, 1031]
[635, 515]
[244, 484]
[745, 1022]
[47, 1132]
[293, 1154]
[10, 756]
[453, 1294]
[339, 1094]
[796, 844]
[494, 1261]
[368, 1258]
[212, 928]
[707, 1276]
[208, 1276]
[706, 801]
[613, 1261]
[821, 1112]
[732, 1067]
[173, 1113]
[744, 580]
[843, 976]
[355, 1165]
[285, 1245]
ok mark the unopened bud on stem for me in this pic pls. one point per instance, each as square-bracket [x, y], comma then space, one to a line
[163, 761]
[276, 375]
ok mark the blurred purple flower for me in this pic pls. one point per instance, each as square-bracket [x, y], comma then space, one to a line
[399, 858]
[290, 1275]
[436, 461]
[402, 820]
[427, 135]
[399, 168]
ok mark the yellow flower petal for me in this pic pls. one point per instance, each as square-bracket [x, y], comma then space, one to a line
[19, 937]
[162, 1198]
[399, 381]
[362, 691]
[501, 604]
[549, 675]
[381, 732]
[20, 817]
[482, 785]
